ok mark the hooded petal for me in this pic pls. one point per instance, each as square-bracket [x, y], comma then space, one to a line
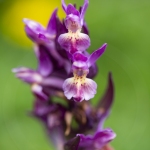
[72, 23]
[96, 54]
[79, 57]
[72, 10]
[79, 62]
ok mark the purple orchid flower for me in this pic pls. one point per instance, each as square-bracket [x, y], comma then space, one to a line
[79, 87]
[60, 49]
[38, 33]
[74, 40]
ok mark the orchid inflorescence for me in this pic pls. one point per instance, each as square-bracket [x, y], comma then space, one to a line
[65, 72]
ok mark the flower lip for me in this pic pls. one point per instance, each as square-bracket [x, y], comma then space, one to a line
[74, 42]
[79, 88]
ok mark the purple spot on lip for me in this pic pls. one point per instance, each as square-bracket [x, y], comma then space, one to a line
[77, 99]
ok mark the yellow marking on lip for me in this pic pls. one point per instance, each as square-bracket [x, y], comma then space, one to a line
[79, 80]
[73, 36]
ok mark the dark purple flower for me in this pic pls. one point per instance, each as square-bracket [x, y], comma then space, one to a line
[79, 87]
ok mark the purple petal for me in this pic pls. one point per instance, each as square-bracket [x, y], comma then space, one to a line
[28, 75]
[52, 25]
[106, 102]
[43, 38]
[69, 88]
[42, 108]
[45, 65]
[72, 144]
[89, 89]
[85, 28]
[33, 25]
[53, 82]
[82, 42]
[83, 10]
[79, 57]
[38, 92]
[73, 43]
[64, 6]
[33, 29]
[96, 54]
[66, 42]
[72, 10]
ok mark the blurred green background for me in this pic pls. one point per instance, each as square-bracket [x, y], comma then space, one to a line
[124, 25]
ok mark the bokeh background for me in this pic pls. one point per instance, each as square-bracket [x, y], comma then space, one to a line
[124, 25]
